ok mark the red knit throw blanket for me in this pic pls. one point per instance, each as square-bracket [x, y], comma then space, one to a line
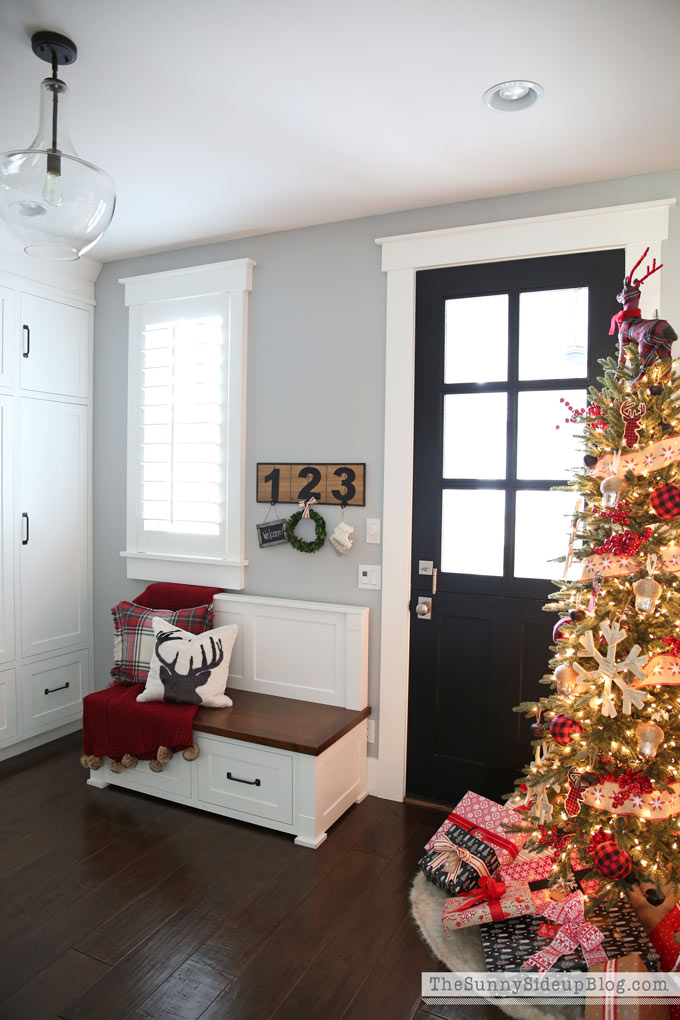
[114, 724]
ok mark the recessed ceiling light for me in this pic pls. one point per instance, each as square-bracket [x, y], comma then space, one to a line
[510, 96]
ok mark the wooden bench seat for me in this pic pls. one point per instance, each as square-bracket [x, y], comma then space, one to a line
[303, 726]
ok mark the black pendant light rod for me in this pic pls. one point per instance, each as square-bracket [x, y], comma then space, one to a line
[56, 49]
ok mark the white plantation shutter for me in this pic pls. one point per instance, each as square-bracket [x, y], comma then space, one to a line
[181, 427]
[186, 432]
[181, 449]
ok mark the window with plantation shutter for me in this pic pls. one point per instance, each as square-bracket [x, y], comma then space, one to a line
[186, 434]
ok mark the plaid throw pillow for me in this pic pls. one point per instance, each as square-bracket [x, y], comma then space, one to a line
[133, 640]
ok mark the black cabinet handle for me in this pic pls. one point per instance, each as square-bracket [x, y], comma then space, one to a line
[27, 332]
[62, 688]
[24, 517]
[249, 782]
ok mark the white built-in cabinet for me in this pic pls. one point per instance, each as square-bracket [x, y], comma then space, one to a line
[45, 547]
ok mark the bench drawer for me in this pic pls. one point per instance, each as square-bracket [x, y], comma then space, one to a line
[246, 778]
[175, 779]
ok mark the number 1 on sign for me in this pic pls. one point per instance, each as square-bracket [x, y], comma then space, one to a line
[274, 477]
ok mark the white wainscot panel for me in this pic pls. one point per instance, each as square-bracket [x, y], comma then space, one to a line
[301, 654]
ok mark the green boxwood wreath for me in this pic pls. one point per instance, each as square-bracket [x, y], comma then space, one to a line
[320, 532]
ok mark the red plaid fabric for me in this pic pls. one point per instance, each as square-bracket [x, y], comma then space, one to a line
[611, 861]
[562, 728]
[665, 501]
[134, 637]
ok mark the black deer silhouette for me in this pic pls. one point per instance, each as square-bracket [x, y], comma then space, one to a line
[181, 687]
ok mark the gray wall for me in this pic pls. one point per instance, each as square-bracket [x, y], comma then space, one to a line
[315, 379]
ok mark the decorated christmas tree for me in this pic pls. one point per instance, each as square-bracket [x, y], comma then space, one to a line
[603, 790]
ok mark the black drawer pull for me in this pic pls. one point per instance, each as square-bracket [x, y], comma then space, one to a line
[62, 688]
[249, 782]
[24, 517]
[27, 332]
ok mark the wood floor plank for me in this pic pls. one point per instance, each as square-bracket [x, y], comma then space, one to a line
[387, 839]
[65, 877]
[242, 934]
[136, 977]
[56, 986]
[159, 850]
[392, 988]
[358, 939]
[185, 995]
[274, 970]
[145, 915]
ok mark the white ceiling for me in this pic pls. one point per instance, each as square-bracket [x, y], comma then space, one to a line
[219, 118]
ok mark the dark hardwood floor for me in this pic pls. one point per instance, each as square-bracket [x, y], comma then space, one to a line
[114, 905]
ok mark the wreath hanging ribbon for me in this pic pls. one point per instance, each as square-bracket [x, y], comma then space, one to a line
[305, 507]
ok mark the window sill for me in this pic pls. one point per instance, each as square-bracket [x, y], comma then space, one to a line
[185, 569]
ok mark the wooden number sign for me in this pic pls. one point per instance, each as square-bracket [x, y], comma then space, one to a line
[295, 483]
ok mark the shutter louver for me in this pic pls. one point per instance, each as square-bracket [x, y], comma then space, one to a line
[181, 428]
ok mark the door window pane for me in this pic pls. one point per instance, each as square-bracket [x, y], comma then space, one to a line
[542, 528]
[544, 451]
[476, 339]
[483, 416]
[553, 334]
[473, 531]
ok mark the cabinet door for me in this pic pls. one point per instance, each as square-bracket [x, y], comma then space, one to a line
[8, 707]
[53, 503]
[54, 347]
[6, 531]
[53, 691]
[7, 334]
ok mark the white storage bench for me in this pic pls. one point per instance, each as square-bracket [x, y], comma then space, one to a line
[291, 751]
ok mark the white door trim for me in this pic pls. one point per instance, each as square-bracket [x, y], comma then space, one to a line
[630, 226]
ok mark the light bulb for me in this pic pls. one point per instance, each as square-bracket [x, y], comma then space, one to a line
[52, 189]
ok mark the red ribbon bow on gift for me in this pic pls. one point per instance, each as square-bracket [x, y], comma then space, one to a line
[305, 506]
[575, 931]
[489, 890]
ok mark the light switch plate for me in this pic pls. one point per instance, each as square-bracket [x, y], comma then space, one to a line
[370, 576]
[372, 531]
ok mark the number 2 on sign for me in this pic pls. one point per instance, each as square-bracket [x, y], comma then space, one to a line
[307, 491]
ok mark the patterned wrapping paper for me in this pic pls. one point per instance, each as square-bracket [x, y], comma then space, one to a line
[517, 899]
[507, 944]
[491, 816]
[608, 1008]
[457, 860]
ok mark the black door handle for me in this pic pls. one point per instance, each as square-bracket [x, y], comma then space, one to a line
[249, 782]
[24, 541]
[51, 690]
[27, 331]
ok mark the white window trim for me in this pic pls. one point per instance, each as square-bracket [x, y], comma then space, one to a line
[233, 278]
[632, 227]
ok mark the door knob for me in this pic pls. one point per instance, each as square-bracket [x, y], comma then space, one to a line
[424, 608]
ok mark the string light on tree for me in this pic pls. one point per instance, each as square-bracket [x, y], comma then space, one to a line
[606, 768]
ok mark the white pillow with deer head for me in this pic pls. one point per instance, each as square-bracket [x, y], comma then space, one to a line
[189, 669]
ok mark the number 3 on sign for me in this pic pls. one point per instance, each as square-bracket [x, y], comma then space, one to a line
[326, 483]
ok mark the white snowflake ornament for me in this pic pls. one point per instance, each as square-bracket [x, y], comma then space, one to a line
[610, 670]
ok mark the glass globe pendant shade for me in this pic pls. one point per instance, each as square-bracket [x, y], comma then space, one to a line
[55, 203]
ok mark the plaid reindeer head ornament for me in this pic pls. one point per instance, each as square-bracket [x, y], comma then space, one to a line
[654, 337]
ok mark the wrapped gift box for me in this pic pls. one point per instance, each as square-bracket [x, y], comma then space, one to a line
[469, 909]
[508, 944]
[625, 1009]
[490, 821]
[457, 860]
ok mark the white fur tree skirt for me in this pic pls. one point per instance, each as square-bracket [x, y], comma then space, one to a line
[462, 950]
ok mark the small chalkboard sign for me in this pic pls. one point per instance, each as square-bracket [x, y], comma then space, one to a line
[271, 533]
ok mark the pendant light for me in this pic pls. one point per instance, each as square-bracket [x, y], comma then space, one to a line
[55, 203]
